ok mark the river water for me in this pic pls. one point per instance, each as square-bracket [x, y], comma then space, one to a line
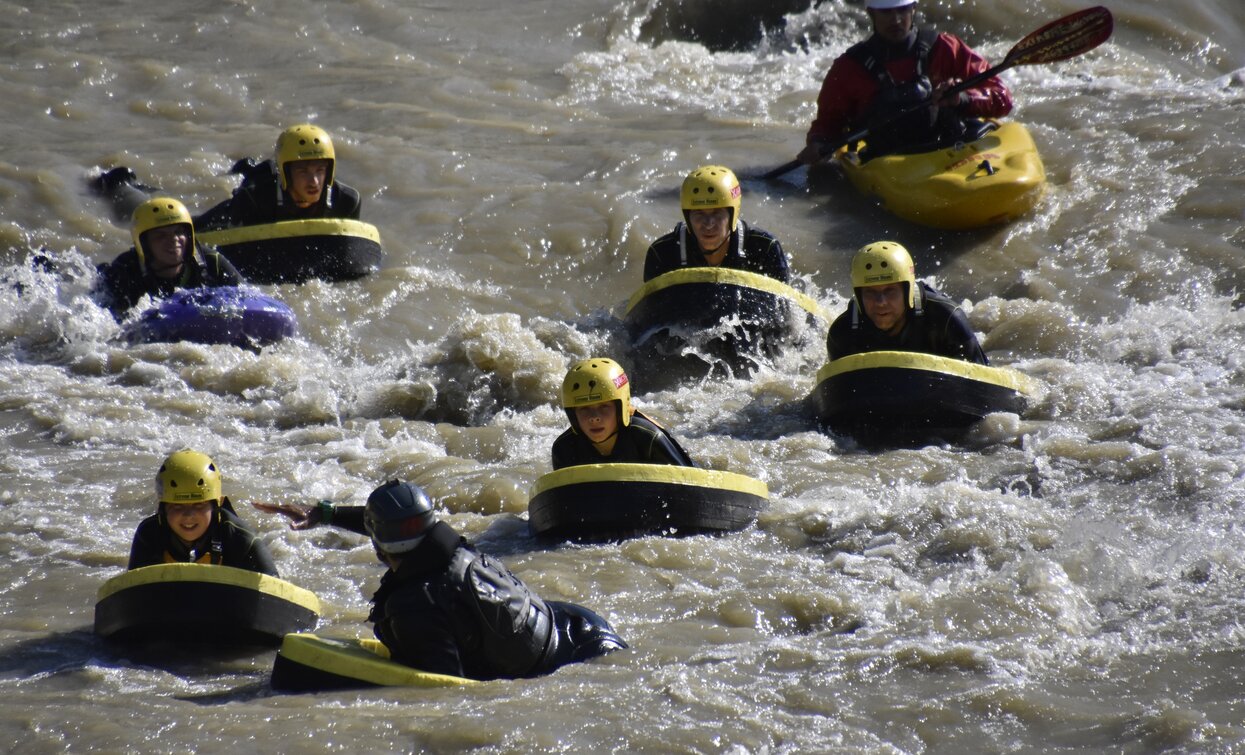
[1071, 579]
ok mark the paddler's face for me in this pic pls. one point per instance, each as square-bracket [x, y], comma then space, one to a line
[711, 228]
[307, 178]
[189, 521]
[166, 248]
[885, 306]
[597, 421]
[893, 24]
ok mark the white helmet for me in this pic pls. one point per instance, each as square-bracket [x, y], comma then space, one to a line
[887, 4]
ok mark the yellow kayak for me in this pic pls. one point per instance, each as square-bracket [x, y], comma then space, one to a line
[991, 180]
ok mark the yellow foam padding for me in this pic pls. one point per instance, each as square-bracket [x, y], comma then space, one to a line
[654, 473]
[291, 229]
[221, 575]
[912, 360]
[729, 277]
[365, 660]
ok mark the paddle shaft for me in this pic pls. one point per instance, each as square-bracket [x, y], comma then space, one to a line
[1064, 38]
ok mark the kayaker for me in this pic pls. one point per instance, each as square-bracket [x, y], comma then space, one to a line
[194, 523]
[446, 608]
[298, 183]
[718, 237]
[899, 67]
[900, 313]
[164, 258]
[605, 427]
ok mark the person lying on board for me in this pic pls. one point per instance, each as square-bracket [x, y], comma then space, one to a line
[712, 233]
[164, 258]
[900, 314]
[446, 608]
[900, 68]
[299, 183]
[605, 427]
[194, 523]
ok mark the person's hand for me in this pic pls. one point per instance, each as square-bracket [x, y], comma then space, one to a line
[940, 98]
[813, 153]
[301, 517]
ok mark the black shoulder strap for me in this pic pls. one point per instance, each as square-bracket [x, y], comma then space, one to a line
[866, 53]
[925, 39]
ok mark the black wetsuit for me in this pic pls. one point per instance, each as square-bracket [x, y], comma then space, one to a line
[122, 283]
[449, 609]
[260, 200]
[227, 542]
[749, 248]
[640, 442]
[940, 328]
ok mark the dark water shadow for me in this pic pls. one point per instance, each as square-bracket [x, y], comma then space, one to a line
[719, 25]
[78, 649]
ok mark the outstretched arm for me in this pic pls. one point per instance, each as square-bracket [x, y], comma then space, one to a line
[304, 517]
[301, 517]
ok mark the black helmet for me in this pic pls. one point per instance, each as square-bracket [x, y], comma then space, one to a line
[397, 516]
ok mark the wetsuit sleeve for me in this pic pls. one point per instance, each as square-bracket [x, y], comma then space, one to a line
[653, 264]
[952, 59]
[147, 549]
[662, 451]
[244, 209]
[350, 518]
[119, 285]
[838, 340]
[244, 550]
[654, 444]
[215, 219]
[776, 265]
[346, 202]
[960, 341]
[221, 271]
[559, 455]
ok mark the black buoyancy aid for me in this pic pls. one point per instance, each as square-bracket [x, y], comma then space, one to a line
[896, 115]
[869, 54]
[515, 626]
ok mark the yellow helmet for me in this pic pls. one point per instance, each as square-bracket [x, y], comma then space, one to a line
[304, 142]
[158, 213]
[710, 187]
[880, 263]
[593, 381]
[188, 477]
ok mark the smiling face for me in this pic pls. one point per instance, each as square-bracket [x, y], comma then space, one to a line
[189, 521]
[712, 228]
[167, 247]
[885, 306]
[599, 422]
[307, 181]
